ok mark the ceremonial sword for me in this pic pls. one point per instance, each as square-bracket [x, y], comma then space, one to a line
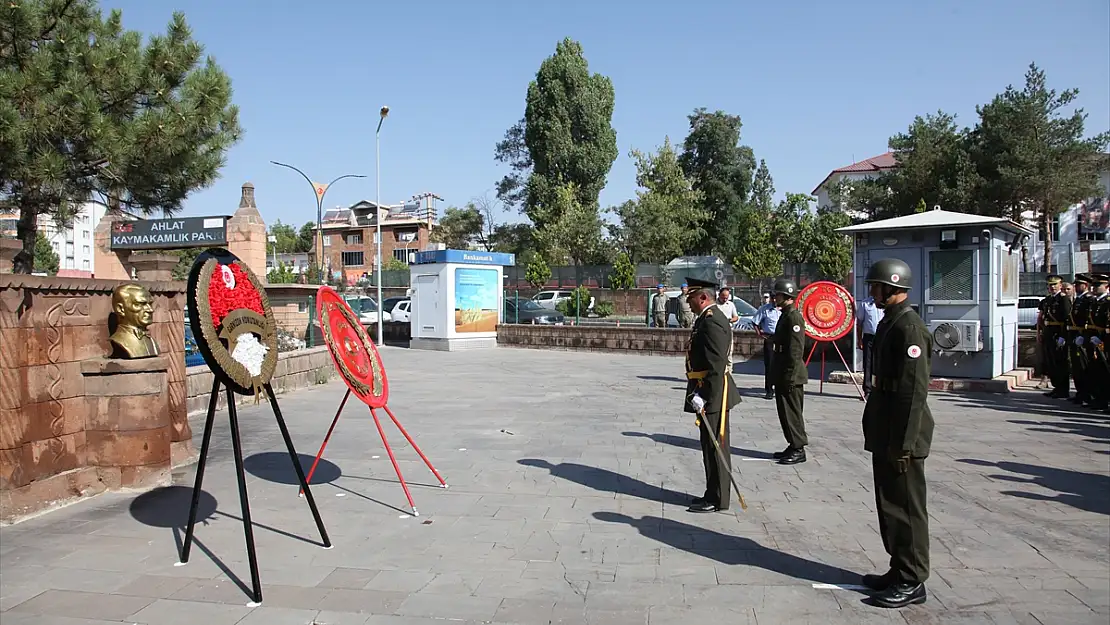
[721, 458]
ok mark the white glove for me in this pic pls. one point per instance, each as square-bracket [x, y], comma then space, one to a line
[1096, 341]
[697, 402]
[1079, 340]
[1060, 341]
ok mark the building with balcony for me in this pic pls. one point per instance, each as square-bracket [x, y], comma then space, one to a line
[862, 170]
[348, 235]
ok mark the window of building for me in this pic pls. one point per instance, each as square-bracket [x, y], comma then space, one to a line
[69, 249]
[405, 256]
[354, 239]
[85, 264]
[327, 241]
[85, 235]
[352, 259]
[406, 236]
[951, 276]
[1055, 229]
[85, 250]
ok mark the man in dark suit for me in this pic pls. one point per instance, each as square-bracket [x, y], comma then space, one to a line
[710, 392]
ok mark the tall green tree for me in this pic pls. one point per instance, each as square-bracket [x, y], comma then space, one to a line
[514, 238]
[569, 134]
[576, 234]
[458, 227]
[758, 254]
[287, 238]
[512, 189]
[1033, 155]
[833, 250]
[46, 259]
[934, 165]
[763, 188]
[88, 111]
[665, 220]
[721, 170]
[306, 237]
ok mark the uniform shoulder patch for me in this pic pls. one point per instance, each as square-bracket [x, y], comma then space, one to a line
[797, 328]
[913, 351]
[709, 313]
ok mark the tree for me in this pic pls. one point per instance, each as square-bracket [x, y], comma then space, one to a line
[306, 237]
[758, 254]
[392, 264]
[282, 274]
[763, 189]
[185, 259]
[721, 170]
[934, 166]
[833, 251]
[576, 233]
[568, 133]
[287, 238]
[1033, 157]
[459, 227]
[518, 238]
[87, 110]
[665, 220]
[512, 189]
[624, 273]
[537, 273]
[793, 227]
[489, 209]
[46, 259]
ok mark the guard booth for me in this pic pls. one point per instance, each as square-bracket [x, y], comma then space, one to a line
[966, 274]
[457, 298]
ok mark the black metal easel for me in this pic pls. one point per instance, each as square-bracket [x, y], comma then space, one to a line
[248, 529]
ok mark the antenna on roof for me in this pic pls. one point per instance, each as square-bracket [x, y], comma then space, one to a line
[936, 207]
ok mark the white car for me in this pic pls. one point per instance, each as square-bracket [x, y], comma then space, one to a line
[366, 309]
[550, 299]
[1027, 311]
[744, 310]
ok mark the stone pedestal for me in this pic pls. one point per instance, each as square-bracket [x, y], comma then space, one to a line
[127, 426]
[153, 267]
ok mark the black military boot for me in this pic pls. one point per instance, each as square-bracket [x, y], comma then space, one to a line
[879, 582]
[900, 595]
[782, 454]
[704, 506]
[796, 456]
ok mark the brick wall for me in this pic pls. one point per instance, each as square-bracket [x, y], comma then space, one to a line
[48, 328]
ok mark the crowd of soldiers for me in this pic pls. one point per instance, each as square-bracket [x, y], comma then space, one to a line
[897, 423]
[1071, 337]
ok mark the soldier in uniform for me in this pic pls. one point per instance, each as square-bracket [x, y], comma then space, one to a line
[685, 314]
[1077, 324]
[898, 431]
[710, 392]
[789, 372]
[1094, 337]
[1055, 309]
[659, 307]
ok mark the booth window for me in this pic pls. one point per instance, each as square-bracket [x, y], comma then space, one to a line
[951, 276]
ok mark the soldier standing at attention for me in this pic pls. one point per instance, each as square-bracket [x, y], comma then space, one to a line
[1055, 309]
[898, 431]
[1098, 318]
[659, 307]
[685, 314]
[790, 373]
[710, 393]
[1077, 323]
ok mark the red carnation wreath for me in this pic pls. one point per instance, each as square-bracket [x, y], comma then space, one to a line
[231, 289]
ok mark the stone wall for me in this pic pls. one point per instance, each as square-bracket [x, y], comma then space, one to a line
[295, 370]
[49, 329]
[647, 341]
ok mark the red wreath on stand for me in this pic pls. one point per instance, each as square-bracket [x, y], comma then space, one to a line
[829, 313]
[360, 366]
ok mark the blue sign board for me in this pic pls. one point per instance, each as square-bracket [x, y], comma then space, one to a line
[465, 257]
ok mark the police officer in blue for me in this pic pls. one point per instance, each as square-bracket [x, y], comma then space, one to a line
[868, 316]
[766, 320]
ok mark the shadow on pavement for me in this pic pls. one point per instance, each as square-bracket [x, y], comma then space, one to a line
[609, 481]
[730, 550]
[1084, 491]
[274, 466]
[690, 443]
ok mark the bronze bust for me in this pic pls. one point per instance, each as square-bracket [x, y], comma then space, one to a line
[134, 308]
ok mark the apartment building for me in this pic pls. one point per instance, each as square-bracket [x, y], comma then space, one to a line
[348, 235]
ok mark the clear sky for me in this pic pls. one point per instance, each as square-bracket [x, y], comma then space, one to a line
[818, 84]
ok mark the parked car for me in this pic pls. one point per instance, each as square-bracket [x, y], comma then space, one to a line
[520, 310]
[744, 310]
[366, 309]
[399, 309]
[193, 356]
[1027, 311]
[550, 299]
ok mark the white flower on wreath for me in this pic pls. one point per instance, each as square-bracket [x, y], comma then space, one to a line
[228, 277]
[250, 353]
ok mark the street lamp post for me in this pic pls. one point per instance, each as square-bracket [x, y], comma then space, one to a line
[319, 190]
[273, 241]
[378, 212]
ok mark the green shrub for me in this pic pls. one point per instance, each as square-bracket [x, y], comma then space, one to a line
[603, 309]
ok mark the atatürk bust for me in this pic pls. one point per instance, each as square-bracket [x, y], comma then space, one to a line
[134, 310]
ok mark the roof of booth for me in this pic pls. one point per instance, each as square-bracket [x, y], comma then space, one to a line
[936, 218]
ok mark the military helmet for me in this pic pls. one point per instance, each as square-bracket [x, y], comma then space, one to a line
[786, 287]
[891, 271]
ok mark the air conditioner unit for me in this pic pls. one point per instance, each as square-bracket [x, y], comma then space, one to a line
[955, 335]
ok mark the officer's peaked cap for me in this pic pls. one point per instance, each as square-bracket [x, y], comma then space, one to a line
[1082, 277]
[695, 283]
[1054, 279]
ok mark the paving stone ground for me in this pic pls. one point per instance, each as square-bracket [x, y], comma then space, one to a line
[569, 474]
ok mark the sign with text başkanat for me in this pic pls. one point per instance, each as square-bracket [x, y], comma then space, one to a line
[158, 234]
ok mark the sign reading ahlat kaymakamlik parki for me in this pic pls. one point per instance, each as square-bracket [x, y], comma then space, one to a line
[146, 234]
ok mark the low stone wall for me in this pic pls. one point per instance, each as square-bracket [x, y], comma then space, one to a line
[647, 341]
[295, 370]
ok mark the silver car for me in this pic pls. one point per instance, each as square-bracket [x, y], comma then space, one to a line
[1027, 311]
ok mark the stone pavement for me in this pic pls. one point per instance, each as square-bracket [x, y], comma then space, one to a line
[569, 475]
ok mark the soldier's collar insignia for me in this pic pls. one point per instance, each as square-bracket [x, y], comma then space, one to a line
[709, 313]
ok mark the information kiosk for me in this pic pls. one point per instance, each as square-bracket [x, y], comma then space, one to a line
[457, 298]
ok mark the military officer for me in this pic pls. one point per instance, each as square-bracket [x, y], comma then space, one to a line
[790, 373]
[1055, 309]
[898, 431]
[710, 392]
[1094, 338]
[1077, 324]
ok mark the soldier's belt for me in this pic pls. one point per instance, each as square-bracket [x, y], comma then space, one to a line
[1094, 327]
[696, 375]
[1075, 328]
[1054, 323]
